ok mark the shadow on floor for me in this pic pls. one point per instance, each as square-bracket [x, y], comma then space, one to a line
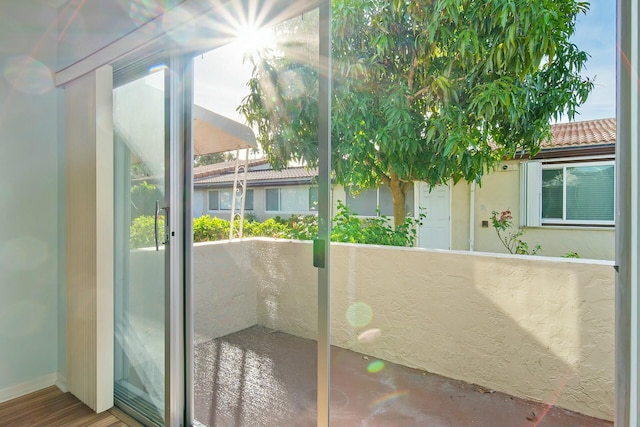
[261, 377]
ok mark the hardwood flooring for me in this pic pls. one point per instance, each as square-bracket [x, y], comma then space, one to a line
[51, 407]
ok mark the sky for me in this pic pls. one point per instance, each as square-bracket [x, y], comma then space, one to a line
[596, 35]
[221, 76]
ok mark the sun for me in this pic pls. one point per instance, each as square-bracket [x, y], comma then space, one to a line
[253, 39]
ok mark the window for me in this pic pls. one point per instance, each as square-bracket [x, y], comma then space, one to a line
[220, 200]
[292, 199]
[569, 193]
[366, 202]
[313, 198]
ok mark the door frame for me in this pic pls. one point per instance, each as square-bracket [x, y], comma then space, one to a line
[177, 183]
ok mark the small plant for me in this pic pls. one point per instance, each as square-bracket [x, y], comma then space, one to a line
[503, 223]
[571, 255]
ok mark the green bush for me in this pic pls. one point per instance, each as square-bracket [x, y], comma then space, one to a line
[268, 228]
[347, 227]
[206, 229]
[373, 231]
[143, 231]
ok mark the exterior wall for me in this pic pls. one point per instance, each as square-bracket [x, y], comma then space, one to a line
[535, 327]
[500, 190]
[201, 205]
[29, 179]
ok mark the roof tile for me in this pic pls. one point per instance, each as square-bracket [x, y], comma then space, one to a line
[576, 134]
[262, 175]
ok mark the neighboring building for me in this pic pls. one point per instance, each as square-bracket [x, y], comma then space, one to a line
[270, 193]
[563, 197]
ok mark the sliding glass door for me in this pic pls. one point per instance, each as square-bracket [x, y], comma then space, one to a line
[149, 248]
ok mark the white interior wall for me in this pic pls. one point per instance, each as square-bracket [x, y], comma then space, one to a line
[29, 173]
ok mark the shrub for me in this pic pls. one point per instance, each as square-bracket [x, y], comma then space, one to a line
[142, 234]
[206, 229]
[268, 228]
[347, 227]
[303, 227]
[373, 231]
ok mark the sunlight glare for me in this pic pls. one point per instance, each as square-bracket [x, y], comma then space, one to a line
[252, 39]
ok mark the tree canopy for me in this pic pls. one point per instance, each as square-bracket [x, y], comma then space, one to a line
[423, 90]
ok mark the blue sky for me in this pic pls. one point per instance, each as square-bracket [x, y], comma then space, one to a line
[596, 35]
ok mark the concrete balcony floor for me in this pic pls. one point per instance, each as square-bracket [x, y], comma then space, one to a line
[260, 377]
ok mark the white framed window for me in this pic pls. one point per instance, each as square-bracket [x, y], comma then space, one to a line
[220, 200]
[366, 202]
[291, 199]
[563, 193]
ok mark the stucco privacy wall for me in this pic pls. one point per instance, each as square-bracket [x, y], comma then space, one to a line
[224, 298]
[500, 190]
[538, 328]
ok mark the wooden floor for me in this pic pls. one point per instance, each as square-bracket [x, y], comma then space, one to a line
[51, 407]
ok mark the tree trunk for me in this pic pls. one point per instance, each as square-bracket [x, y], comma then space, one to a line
[399, 194]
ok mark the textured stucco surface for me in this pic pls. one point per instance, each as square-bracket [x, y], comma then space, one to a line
[224, 294]
[534, 327]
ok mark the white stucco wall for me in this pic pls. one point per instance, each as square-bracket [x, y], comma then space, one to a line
[224, 298]
[538, 328]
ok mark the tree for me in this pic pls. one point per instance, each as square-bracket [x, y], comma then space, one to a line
[424, 90]
[212, 158]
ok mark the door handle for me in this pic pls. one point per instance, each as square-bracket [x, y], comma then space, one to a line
[165, 240]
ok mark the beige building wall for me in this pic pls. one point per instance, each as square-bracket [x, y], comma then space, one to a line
[500, 190]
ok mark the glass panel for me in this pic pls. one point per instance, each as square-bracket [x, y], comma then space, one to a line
[386, 201]
[255, 300]
[213, 201]
[552, 193]
[139, 117]
[364, 203]
[313, 198]
[248, 203]
[294, 199]
[590, 193]
[273, 199]
[225, 199]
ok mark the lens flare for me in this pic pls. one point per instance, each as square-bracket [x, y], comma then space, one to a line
[23, 254]
[359, 314]
[28, 75]
[143, 11]
[369, 335]
[375, 366]
[383, 400]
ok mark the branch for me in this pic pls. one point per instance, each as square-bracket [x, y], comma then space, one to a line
[412, 72]
[418, 94]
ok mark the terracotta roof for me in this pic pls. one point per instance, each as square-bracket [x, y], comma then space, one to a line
[580, 134]
[262, 176]
[222, 167]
